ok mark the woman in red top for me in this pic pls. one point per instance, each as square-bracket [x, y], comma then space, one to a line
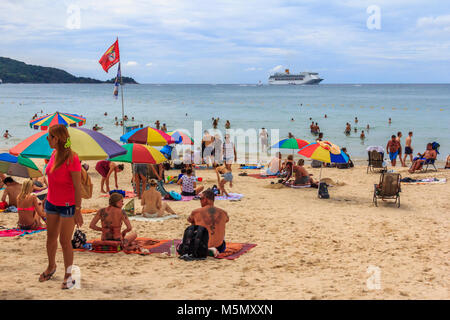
[63, 205]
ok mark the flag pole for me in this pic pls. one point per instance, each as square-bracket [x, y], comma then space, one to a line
[121, 90]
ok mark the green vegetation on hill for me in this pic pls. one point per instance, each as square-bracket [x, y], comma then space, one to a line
[124, 80]
[13, 71]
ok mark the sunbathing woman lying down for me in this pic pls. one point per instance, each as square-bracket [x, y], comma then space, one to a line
[112, 218]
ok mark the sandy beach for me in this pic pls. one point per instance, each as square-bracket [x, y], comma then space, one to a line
[307, 248]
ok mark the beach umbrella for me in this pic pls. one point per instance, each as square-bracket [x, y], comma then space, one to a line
[291, 143]
[324, 151]
[181, 137]
[140, 153]
[147, 135]
[88, 144]
[18, 166]
[67, 119]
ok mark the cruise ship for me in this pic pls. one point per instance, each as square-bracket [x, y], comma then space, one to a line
[301, 78]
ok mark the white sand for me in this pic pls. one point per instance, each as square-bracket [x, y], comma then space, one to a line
[307, 248]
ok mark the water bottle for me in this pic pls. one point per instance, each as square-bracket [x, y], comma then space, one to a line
[172, 249]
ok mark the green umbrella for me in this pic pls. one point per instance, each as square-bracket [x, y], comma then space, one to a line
[18, 166]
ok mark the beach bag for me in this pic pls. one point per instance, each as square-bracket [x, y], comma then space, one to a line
[195, 243]
[129, 208]
[323, 191]
[86, 185]
[79, 239]
[175, 195]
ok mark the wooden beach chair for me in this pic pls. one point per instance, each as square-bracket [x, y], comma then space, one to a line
[376, 161]
[388, 188]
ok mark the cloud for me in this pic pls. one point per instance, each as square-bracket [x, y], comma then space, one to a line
[436, 22]
[276, 69]
[131, 64]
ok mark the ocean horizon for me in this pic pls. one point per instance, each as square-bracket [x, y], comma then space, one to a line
[421, 108]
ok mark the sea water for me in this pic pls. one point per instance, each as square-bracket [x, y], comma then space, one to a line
[423, 109]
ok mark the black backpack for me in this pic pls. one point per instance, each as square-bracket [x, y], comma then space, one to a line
[195, 243]
[323, 191]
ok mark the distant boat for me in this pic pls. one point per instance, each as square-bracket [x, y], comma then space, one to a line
[288, 78]
[259, 83]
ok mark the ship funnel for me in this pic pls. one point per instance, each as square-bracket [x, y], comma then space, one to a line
[286, 71]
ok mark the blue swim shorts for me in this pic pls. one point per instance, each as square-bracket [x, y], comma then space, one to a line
[393, 155]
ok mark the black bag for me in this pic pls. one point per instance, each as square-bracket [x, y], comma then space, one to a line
[195, 243]
[79, 239]
[323, 191]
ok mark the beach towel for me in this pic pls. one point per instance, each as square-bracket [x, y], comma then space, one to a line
[183, 198]
[251, 167]
[298, 187]
[148, 245]
[258, 176]
[233, 250]
[427, 181]
[18, 232]
[128, 195]
[231, 197]
[86, 211]
[154, 219]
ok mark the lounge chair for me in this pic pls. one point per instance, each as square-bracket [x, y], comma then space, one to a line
[376, 161]
[427, 163]
[388, 188]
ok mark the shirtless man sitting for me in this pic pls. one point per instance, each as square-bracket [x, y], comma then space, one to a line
[213, 219]
[393, 147]
[302, 177]
[111, 219]
[12, 190]
[152, 203]
[429, 154]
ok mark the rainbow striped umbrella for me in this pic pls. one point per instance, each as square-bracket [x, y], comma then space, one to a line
[67, 119]
[18, 166]
[291, 143]
[140, 153]
[88, 144]
[324, 151]
[181, 137]
[147, 135]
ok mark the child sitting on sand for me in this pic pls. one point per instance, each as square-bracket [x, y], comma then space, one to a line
[112, 218]
[227, 177]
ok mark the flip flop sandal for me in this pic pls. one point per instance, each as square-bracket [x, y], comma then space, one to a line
[46, 277]
[65, 285]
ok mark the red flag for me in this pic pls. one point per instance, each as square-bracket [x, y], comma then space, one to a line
[110, 57]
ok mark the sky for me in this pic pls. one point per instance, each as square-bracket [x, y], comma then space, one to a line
[234, 41]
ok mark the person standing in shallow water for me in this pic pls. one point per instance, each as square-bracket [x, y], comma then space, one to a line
[63, 205]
